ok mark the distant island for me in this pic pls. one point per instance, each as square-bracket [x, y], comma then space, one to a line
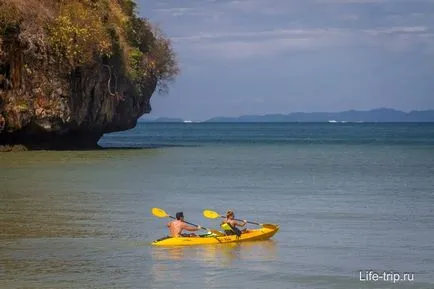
[374, 115]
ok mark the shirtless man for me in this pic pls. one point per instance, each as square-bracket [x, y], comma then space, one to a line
[176, 227]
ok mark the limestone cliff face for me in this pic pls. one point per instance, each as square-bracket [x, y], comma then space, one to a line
[41, 108]
[46, 103]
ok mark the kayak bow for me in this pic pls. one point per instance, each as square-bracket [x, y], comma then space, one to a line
[208, 239]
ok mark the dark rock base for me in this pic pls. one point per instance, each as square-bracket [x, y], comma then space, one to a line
[50, 141]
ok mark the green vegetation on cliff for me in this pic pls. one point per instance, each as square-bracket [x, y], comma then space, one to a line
[72, 70]
[82, 33]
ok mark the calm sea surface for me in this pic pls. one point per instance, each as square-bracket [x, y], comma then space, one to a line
[349, 198]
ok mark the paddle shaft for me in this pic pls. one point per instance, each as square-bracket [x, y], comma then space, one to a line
[190, 223]
[262, 225]
[248, 222]
[243, 221]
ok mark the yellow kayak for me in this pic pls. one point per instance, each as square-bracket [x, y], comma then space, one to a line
[263, 233]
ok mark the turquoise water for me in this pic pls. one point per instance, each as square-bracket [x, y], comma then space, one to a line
[348, 197]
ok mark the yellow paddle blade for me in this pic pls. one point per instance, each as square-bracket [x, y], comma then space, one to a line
[159, 213]
[211, 214]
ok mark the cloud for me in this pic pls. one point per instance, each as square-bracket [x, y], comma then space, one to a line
[353, 1]
[242, 45]
[260, 34]
[242, 29]
[181, 11]
[350, 17]
[397, 30]
[262, 6]
[374, 1]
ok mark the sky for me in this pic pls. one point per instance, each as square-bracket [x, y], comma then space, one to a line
[281, 56]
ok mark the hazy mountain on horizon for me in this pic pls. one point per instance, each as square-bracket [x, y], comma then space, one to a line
[374, 115]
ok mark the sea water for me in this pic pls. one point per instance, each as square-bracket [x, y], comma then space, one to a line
[355, 204]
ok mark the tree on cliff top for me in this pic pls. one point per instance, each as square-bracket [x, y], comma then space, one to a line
[86, 32]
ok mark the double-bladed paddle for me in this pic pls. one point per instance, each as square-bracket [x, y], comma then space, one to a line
[214, 215]
[160, 213]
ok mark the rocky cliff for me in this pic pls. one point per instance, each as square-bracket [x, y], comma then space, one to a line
[71, 71]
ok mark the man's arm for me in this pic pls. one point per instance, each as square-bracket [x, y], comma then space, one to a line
[190, 228]
[240, 224]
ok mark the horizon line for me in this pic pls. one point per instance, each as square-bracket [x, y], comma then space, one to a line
[149, 117]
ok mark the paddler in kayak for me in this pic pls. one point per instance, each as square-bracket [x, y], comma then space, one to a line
[229, 225]
[176, 227]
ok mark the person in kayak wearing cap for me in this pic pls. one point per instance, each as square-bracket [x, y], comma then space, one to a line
[177, 226]
[229, 224]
